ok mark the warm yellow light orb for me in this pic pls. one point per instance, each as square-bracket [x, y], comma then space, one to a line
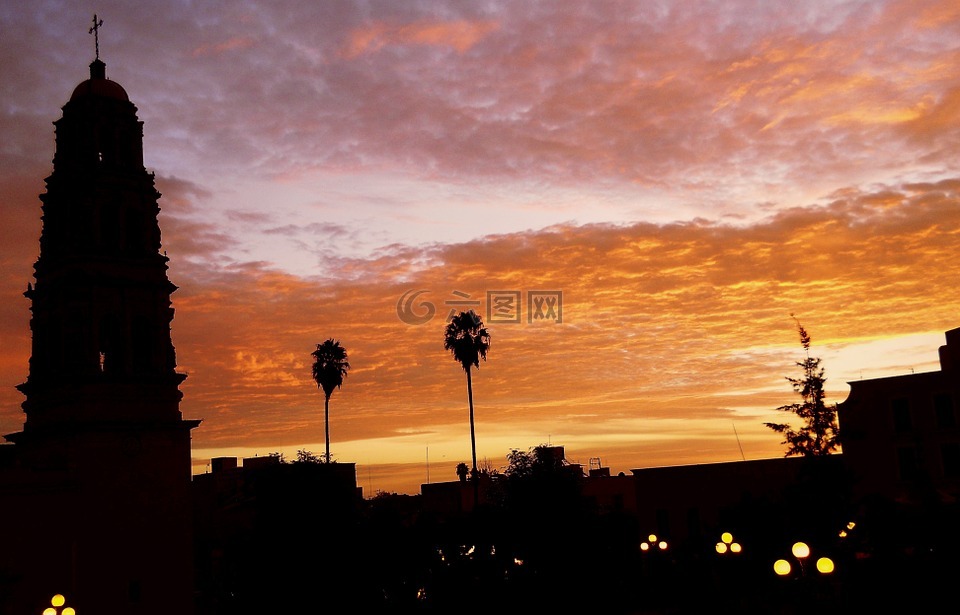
[721, 547]
[68, 611]
[58, 600]
[851, 525]
[726, 537]
[49, 611]
[800, 550]
[736, 548]
[644, 546]
[781, 567]
[663, 545]
[825, 565]
[652, 538]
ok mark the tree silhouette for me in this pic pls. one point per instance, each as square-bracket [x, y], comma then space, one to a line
[305, 456]
[819, 434]
[468, 341]
[330, 367]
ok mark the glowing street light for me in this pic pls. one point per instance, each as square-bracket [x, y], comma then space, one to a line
[652, 542]
[727, 544]
[801, 551]
[847, 529]
[825, 565]
[56, 602]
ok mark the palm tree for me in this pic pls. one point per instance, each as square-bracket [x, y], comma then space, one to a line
[330, 367]
[467, 339]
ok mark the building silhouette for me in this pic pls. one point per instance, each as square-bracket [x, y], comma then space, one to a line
[901, 434]
[96, 486]
[268, 531]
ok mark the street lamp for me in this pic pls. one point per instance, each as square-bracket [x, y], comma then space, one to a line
[56, 602]
[801, 551]
[727, 544]
[652, 542]
[657, 568]
[817, 589]
[654, 549]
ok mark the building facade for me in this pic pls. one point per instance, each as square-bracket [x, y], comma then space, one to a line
[901, 434]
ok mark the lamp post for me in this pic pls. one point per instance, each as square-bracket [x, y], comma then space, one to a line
[656, 570]
[818, 587]
[729, 575]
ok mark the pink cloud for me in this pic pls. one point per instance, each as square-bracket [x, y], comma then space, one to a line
[460, 35]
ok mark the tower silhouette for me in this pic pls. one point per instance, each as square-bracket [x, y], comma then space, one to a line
[101, 487]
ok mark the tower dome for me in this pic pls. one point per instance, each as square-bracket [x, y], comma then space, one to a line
[98, 85]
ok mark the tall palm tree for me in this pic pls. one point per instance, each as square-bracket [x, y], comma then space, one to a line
[330, 367]
[467, 339]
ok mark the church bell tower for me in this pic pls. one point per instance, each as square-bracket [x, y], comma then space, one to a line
[103, 431]
[101, 309]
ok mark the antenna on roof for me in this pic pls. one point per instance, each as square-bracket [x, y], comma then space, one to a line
[738, 440]
[95, 31]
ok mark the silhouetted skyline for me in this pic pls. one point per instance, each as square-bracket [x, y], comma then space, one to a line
[686, 177]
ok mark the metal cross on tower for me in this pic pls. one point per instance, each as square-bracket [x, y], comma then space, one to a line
[95, 31]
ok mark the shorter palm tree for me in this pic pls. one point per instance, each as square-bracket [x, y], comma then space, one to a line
[330, 367]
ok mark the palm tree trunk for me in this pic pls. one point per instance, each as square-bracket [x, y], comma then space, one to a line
[473, 436]
[326, 424]
[473, 442]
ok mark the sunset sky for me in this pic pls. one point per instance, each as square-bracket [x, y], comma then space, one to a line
[686, 174]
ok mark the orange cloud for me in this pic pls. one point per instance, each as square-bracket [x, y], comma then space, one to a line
[673, 324]
[670, 333]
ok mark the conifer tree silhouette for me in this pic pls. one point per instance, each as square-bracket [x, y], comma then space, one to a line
[819, 433]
